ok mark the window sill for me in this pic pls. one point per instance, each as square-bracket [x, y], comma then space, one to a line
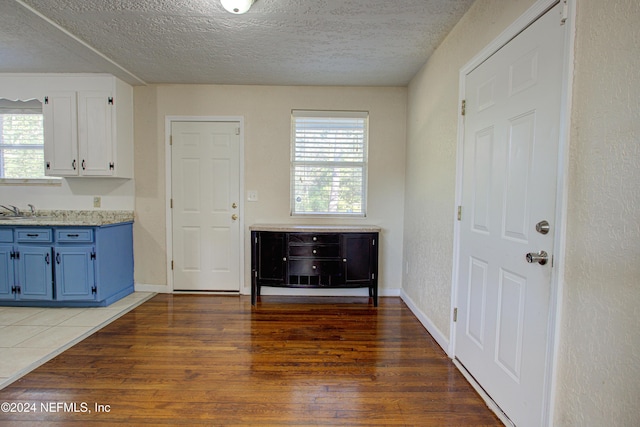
[31, 181]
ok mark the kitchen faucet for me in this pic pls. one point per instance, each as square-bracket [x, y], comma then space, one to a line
[14, 210]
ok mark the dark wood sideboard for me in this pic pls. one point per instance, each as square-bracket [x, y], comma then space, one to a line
[328, 257]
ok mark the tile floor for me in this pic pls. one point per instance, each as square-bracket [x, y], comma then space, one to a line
[30, 336]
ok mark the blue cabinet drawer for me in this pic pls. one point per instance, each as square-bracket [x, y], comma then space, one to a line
[39, 235]
[6, 235]
[74, 235]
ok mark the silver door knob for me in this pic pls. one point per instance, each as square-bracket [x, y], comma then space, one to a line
[540, 257]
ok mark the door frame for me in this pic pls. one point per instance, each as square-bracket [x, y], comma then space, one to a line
[559, 249]
[168, 183]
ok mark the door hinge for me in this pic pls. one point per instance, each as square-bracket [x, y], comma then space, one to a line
[46, 99]
[112, 166]
[374, 242]
[14, 255]
[15, 289]
[170, 139]
[373, 276]
[93, 255]
[172, 264]
[94, 289]
[170, 203]
[455, 314]
[237, 131]
[459, 213]
[564, 14]
[463, 107]
[110, 100]
[48, 165]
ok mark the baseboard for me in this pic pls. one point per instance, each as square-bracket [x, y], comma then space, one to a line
[160, 289]
[350, 292]
[437, 335]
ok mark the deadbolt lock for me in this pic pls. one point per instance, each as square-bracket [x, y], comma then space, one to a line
[234, 217]
[542, 227]
[234, 205]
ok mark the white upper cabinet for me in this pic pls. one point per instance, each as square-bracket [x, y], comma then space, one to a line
[60, 125]
[88, 121]
[95, 139]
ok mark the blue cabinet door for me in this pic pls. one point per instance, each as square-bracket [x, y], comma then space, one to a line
[35, 273]
[75, 275]
[7, 276]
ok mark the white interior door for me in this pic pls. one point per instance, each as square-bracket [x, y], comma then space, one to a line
[205, 181]
[509, 184]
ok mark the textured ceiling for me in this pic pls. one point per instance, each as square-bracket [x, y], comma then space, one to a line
[278, 42]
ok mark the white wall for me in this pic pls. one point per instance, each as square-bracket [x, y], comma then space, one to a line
[598, 376]
[267, 117]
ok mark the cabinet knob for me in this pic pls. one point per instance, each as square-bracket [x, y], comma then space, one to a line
[344, 260]
[315, 252]
[314, 267]
[315, 238]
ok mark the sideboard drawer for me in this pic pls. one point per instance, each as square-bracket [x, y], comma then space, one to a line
[315, 251]
[306, 238]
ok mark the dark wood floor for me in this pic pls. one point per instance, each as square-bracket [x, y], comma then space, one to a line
[211, 360]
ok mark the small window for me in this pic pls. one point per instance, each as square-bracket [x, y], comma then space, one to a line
[21, 139]
[329, 163]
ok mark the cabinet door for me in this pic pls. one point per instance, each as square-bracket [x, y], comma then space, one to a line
[60, 134]
[75, 277]
[7, 278]
[95, 141]
[272, 257]
[35, 274]
[358, 251]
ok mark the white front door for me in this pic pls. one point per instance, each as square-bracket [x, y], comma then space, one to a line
[205, 187]
[509, 184]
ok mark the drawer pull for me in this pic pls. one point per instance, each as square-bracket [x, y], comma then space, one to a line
[73, 235]
[32, 235]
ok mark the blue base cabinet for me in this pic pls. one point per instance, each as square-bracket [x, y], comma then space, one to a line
[65, 266]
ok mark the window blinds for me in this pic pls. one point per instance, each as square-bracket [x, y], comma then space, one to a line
[329, 162]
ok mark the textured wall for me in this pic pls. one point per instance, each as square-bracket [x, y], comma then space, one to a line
[599, 374]
[267, 114]
[431, 157]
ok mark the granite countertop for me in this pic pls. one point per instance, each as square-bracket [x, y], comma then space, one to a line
[69, 218]
[316, 228]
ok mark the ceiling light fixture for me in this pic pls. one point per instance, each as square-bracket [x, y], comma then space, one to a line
[237, 6]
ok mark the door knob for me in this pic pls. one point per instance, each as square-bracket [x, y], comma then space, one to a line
[234, 217]
[540, 257]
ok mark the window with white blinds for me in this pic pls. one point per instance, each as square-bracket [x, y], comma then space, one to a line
[21, 139]
[329, 162]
